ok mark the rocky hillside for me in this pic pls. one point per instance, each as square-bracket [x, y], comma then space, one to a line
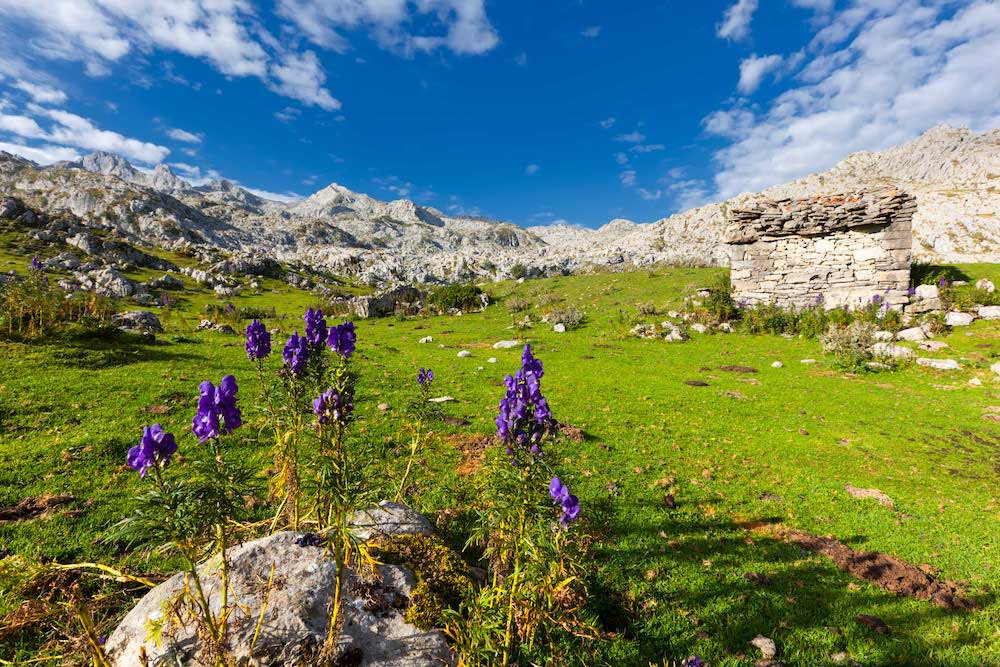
[954, 173]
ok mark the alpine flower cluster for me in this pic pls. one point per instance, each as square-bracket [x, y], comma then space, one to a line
[569, 503]
[217, 411]
[425, 377]
[36, 264]
[332, 406]
[296, 354]
[258, 341]
[524, 415]
[342, 339]
[156, 446]
[315, 328]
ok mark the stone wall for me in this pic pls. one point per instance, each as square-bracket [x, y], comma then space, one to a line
[835, 249]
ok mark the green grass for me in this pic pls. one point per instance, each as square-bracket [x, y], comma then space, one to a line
[749, 449]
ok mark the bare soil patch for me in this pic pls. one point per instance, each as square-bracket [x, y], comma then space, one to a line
[472, 446]
[738, 369]
[574, 433]
[33, 507]
[889, 572]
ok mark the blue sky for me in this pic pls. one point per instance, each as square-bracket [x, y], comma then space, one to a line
[563, 110]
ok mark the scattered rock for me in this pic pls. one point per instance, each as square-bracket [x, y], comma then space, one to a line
[137, 320]
[574, 433]
[807, 361]
[491, 360]
[986, 284]
[765, 646]
[427, 339]
[995, 367]
[738, 369]
[884, 336]
[441, 399]
[875, 494]
[875, 623]
[975, 382]
[295, 616]
[167, 282]
[505, 344]
[696, 383]
[700, 328]
[890, 350]
[384, 407]
[777, 364]
[389, 518]
[455, 421]
[464, 354]
[33, 507]
[940, 364]
[226, 290]
[989, 312]
[913, 334]
[956, 319]
[924, 292]
[559, 328]
[932, 345]
[669, 501]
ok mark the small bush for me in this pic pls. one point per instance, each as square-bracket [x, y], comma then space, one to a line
[571, 317]
[922, 273]
[518, 271]
[518, 305]
[647, 309]
[32, 308]
[549, 299]
[851, 347]
[459, 297]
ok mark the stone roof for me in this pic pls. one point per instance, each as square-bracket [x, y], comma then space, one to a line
[817, 216]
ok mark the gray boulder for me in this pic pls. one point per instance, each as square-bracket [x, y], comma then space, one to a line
[940, 364]
[956, 319]
[137, 320]
[296, 615]
[890, 350]
[989, 312]
[168, 282]
[109, 282]
[986, 285]
[913, 334]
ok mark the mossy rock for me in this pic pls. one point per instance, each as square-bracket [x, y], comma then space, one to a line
[442, 576]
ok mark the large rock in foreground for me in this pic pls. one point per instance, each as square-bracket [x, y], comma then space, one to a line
[297, 610]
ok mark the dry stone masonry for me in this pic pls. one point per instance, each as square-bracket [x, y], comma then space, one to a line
[835, 249]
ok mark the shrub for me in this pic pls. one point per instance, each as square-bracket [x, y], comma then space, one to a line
[518, 271]
[647, 309]
[518, 305]
[549, 299]
[571, 317]
[922, 273]
[459, 297]
[32, 307]
[851, 347]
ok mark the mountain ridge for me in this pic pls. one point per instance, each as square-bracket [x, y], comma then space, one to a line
[954, 173]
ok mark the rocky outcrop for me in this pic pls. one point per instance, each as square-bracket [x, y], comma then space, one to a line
[293, 612]
[837, 250]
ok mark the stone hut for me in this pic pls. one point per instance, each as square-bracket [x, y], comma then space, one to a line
[836, 249]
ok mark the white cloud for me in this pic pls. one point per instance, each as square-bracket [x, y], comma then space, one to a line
[44, 154]
[608, 122]
[815, 5]
[632, 137]
[41, 93]
[879, 74]
[650, 195]
[460, 26]
[627, 177]
[284, 197]
[531, 169]
[288, 114]
[226, 33]
[621, 158]
[178, 134]
[647, 148]
[521, 59]
[70, 129]
[591, 32]
[736, 20]
[754, 69]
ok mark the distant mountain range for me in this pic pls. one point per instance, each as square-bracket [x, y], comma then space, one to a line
[954, 173]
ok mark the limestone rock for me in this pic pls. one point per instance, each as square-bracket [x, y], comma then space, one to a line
[932, 345]
[389, 518]
[464, 354]
[913, 334]
[765, 645]
[427, 339]
[777, 364]
[940, 364]
[986, 285]
[137, 320]
[559, 328]
[956, 319]
[989, 312]
[505, 344]
[884, 336]
[890, 350]
[296, 615]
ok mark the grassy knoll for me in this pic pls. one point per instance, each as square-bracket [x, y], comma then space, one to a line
[749, 451]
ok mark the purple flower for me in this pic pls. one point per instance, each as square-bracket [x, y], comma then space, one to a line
[216, 403]
[693, 661]
[230, 309]
[876, 298]
[911, 292]
[333, 406]
[315, 327]
[524, 415]
[36, 264]
[258, 341]
[155, 446]
[343, 339]
[569, 503]
[296, 354]
[309, 540]
[942, 281]
[425, 377]
[820, 299]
